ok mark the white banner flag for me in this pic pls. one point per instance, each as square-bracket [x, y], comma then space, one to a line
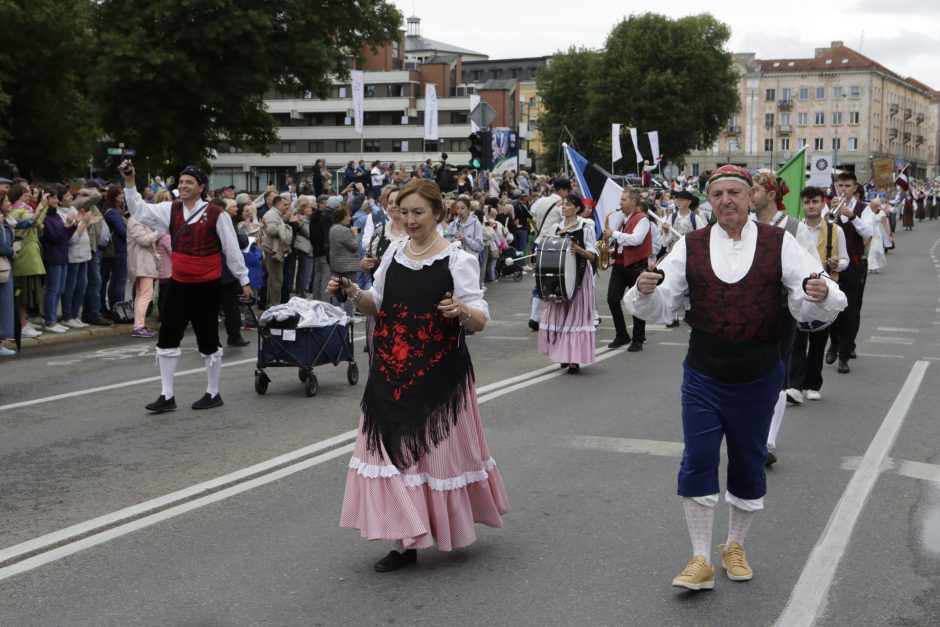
[474, 102]
[430, 112]
[636, 146]
[615, 154]
[358, 94]
[654, 144]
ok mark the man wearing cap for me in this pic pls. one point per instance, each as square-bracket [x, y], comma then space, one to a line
[733, 273]
[222, 193]
[200, 234]
[547, 212]
[5, 184]
[683, 221]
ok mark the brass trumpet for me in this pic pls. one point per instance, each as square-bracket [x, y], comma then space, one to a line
[833, 215]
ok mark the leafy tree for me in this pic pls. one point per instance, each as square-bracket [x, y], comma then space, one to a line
[563, 84]
[655, 73]
[47, 124]
[177, 78]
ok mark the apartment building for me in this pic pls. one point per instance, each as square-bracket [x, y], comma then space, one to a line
[838, 103]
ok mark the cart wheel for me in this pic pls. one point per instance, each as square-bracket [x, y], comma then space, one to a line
[517, 275]
[302, 375]
[261, 382]
[352, 374]
[311, 386]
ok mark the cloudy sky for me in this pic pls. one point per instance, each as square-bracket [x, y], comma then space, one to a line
[903, 35]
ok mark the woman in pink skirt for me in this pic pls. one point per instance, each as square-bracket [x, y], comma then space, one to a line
[421, 472]
[566, 330]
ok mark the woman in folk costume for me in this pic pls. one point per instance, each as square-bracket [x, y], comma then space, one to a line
[566, 330]
[881, 237]
[421, 472]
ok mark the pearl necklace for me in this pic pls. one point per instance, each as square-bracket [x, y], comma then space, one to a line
[411, 247]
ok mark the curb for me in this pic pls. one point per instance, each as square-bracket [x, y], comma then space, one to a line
[75, 336]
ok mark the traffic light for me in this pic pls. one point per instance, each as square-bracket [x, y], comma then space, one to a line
[476, 150]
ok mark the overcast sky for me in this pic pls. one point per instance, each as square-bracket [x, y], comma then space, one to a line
[903, 35]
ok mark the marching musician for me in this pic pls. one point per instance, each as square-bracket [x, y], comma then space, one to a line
[733, 273]
[680, 223]
[856, 221]
[566, 329]
[546, 211]
[630, 234]
[767, 205]
[808, 349]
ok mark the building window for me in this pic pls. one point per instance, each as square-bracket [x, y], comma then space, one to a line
[820, 93]
[784, 143]
[820, 118]
[853, 143]
[836, 143]
[696, 169]
[837, 117]
[855, 91]
[288, 146]
[804, 93]
[459, 145]
[818, 143]
[372, 145]
[343, 146]
[785, 118]
[768, 120]
[477, 75]
[853, 117]
[838, 92]
[770, 95]
[800, 143]
[768, 145]
[315, 146]
[802, 118]
[396, 145]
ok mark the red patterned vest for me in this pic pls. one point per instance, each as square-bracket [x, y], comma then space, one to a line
[748, 310]
[632, 255]
[196, 246]
[853, 241]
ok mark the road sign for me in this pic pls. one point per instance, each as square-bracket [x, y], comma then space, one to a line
[130, 152]
[483, 115]
[114, 151]
[122, 151]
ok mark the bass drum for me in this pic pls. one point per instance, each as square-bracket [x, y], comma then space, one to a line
[557, 274]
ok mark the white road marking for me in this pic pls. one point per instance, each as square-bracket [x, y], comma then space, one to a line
[629, 445]
[808, 599]
[683, 344]
[880, 355]
[54, 546]
[898, 330]
[505, 337]
[906, 468]
[879, 339]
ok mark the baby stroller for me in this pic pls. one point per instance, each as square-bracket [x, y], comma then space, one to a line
[507, 265]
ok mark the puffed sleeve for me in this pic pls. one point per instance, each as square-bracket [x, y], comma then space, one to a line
[378, 281]
[465, 269]
[661, 305]
[590, 237]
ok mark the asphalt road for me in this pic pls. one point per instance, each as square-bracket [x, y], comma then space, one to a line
[595, 534]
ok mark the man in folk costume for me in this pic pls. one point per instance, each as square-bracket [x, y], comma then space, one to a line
[200, 233]
[857, 223]
[808, 349]
[629, 230]
[767, 205]
[732, 272]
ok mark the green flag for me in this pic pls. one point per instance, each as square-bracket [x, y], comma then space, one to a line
[794, 173]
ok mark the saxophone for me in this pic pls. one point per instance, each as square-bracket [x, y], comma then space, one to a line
[603, 248]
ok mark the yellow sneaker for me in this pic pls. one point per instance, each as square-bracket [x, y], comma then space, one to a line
[734, 559]
[697, 575]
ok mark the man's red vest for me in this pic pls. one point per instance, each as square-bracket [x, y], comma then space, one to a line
[632, 255]
[196, 245]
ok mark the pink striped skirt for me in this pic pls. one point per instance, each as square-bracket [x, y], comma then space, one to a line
[566, 330]
[437, 500]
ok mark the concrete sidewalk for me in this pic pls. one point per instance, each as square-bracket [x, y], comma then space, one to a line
[75, 336]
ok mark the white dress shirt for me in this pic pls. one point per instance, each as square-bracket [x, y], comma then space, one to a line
[731, 260]
[622, 239]
[839, 247]
[864, 224]
[157, 216]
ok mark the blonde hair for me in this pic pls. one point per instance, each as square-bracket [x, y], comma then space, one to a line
[162, 196]
[303, 204]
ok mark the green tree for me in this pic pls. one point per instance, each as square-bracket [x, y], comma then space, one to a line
[656, 74]
[177, 78]
[563, 85]
[47, 125]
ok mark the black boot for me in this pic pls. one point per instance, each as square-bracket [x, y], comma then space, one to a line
[395, 560]
[208, 402]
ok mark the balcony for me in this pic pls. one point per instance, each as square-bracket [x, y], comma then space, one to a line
[919, 140]
[784, 129]
[907, 138]
[786, 104]
[733, 130]
[892, 133]
[907, 114]
[893, 110]
[920, 118]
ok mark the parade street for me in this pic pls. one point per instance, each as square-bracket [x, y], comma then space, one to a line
[112, 516]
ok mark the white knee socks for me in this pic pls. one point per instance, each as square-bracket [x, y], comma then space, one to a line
[536, 301]
[699, 519]
[167, 358]
[739, 521]
[777, 421]
[213, 371]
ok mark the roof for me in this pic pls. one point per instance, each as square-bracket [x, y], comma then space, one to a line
[414, 43]
[497, 84]
[838, 58]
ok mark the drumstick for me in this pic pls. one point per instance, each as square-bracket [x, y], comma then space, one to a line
[511, 260]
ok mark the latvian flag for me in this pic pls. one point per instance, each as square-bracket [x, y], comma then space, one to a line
[901, 179]
[597, 188]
